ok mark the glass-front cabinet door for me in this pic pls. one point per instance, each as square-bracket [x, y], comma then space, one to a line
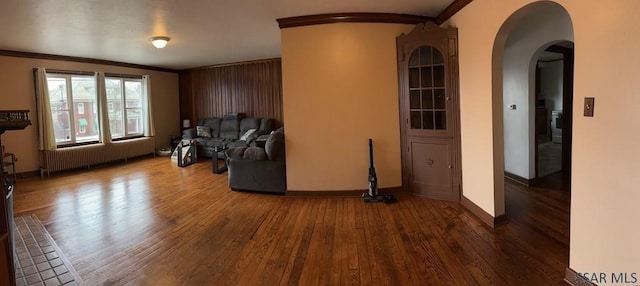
[427, 90]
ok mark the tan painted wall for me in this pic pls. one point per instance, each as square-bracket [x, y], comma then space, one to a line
[340, 87]
[16, 80]
[605, 196]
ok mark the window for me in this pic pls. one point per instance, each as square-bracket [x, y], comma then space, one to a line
[65, 92]
[80, 108]
[74, 102]
[124, 97]
[82, 127]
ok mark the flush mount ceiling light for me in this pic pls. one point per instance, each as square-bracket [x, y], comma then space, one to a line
[160, 42]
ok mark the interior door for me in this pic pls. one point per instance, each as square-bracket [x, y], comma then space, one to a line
[427, 69]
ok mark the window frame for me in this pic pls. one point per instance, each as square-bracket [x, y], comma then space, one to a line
[72, 107]
[99, 121]
[123, 79]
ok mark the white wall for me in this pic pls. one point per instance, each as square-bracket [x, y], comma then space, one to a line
[532, 34]
[605, 196]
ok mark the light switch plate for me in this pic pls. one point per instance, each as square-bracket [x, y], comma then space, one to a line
[589, 103]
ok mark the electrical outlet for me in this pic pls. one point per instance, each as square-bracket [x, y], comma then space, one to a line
[589, 103]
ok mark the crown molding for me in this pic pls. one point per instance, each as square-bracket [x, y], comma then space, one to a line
[451, 10]
[352, 18]
[261, 61]
[80, 60]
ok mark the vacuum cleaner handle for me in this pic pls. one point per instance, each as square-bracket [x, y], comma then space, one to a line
[373, 178]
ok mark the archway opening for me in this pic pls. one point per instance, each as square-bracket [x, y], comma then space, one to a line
[519, 43]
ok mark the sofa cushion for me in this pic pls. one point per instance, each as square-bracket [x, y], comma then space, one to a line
[236, 153]
[229, 128]
[203, 131]
[249, 123]
[266, 125]
[274, 145]
[213, 123]
[237, 143]
[254, 153]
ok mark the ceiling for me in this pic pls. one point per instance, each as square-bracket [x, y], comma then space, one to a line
[202, 32]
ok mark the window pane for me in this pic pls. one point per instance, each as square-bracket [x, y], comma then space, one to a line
[133, 91]
[58, 93]
[425, 77]
[438, 76]
[427, 120]
[414, 60]
[425, 55]
[61, 126]
[415, 120]
[414, 78]
[414, 99]
[427, 99]
[134, 121]
[441, 120]
[437, 57]
[84, 95]
[115, 108]
[440, 99]
[59, 108]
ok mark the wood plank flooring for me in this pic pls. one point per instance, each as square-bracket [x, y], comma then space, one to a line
[149, 222]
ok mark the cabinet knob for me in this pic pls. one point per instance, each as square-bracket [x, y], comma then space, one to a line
[430, 162]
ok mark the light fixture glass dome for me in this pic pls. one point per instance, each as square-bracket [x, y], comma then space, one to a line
[160, 42]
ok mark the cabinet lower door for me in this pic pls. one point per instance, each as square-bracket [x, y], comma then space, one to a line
[432, 169]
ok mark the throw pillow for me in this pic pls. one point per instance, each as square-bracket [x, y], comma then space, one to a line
[203, 131]
[247, 134]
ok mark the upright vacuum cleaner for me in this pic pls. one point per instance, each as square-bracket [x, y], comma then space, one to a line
[372, 196]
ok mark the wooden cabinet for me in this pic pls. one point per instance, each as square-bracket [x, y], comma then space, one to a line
[9, 120]
[7, 276]
[429, 111]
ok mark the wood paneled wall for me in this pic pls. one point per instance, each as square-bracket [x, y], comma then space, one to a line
[252, 88]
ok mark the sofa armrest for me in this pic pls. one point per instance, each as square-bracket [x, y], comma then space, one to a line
[257, 175]
[189, 133]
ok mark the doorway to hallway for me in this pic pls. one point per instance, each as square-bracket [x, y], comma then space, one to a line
[553, 106]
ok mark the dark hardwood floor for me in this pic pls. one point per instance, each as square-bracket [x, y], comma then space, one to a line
[149, 222]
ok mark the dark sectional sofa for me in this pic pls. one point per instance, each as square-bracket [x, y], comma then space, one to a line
[226, 131]
[259, 169]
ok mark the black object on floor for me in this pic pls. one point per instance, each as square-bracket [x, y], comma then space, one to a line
[389, 199]
[372, 195]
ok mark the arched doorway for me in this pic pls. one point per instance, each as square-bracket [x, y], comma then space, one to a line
[518, 44]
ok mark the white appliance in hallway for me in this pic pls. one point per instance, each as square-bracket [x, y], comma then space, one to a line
[556, 126]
